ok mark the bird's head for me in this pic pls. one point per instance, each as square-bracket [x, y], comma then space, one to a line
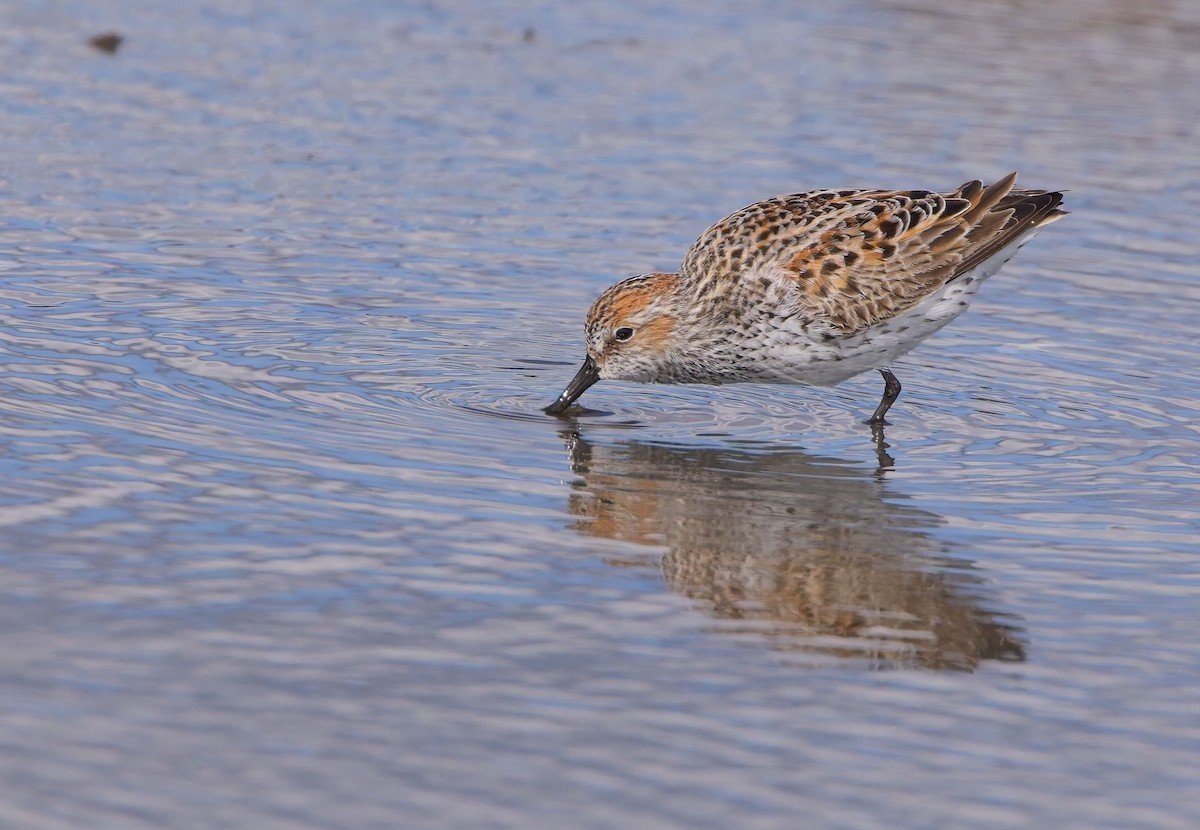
[630, 335]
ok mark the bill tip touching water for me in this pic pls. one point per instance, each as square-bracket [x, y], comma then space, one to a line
[810, 288]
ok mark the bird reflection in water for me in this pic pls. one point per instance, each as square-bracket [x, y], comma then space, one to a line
[813, 554]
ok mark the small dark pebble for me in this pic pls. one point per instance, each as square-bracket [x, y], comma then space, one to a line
[108, 42]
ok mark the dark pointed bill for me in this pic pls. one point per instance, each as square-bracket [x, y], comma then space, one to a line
[587, 375]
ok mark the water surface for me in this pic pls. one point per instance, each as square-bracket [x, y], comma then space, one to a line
[286, 541]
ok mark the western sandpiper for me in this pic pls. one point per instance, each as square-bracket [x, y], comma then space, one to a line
[811, 288]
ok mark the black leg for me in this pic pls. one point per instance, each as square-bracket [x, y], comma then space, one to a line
[891, 391]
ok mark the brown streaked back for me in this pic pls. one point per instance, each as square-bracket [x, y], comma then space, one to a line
[862, 256]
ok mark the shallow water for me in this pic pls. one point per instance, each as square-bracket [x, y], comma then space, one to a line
[286, 541]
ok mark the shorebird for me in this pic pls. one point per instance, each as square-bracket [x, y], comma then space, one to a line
[811, 288]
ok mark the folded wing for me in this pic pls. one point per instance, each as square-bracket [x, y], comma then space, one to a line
[861, 257]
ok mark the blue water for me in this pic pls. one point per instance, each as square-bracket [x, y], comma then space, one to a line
[285, 540]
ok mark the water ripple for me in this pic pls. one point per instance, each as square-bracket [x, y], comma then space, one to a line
[285, 290]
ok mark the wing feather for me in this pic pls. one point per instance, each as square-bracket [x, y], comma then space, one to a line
[858, 257]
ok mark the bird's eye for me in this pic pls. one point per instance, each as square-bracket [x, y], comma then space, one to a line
[623, 333]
